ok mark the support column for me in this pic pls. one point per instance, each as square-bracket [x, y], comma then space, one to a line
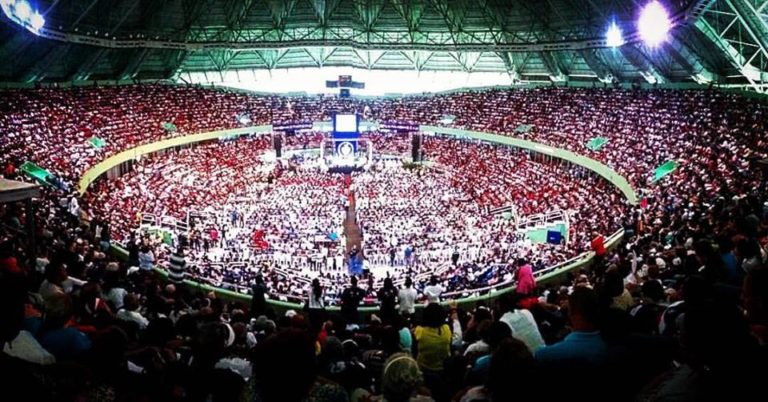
[30, 227]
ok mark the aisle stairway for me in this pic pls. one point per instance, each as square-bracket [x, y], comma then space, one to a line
[351, 229]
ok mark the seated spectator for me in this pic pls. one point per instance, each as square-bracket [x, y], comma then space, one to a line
[720, 360]
[510, 375]
[388, 345]
[56, 333]
[646, 315]
[18, 342]
[613, 289]
[130, 312]
[583, 347]
[480, 347]
[755, 299]
[286, 368]
[497, 333]
[7, 260]
[401, 380]
[55, 275]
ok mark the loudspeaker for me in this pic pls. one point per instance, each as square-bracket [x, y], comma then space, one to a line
[278, 143]
[416, 147]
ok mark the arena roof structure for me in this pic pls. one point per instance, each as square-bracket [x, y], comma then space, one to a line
[711, 41]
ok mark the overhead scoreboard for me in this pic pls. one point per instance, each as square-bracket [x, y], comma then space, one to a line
[346, 134]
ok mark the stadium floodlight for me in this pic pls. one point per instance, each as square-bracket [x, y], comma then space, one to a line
[36, 21]
[614, 37]
[654, 23]
[22, 10]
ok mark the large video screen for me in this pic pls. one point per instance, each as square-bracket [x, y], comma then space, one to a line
[345, 123]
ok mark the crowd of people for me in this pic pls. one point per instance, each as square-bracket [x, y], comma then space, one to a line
[675, 312]
[216, 201]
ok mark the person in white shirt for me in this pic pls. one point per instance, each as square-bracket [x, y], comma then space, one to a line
[316, 296]
[433, 290]
[522, 323]
[57, 281]
[129, 313]
[407, 298]
[26, 347]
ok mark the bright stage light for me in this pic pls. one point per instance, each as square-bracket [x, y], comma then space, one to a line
[614, 37]
[654, 24]
[36, 22]
[22, 10]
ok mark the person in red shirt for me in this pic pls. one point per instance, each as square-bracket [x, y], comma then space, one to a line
[8, 262]
[9, 170]
[598, 244]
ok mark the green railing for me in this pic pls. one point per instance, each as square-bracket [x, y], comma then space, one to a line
[550, 274]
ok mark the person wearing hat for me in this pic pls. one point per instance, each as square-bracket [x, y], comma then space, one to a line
[401, 381]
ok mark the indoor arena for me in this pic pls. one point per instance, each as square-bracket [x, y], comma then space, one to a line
[384, 200]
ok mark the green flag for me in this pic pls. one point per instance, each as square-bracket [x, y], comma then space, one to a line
[524, 128]
[35, 172]
[167, 126]
[97, 142]
[663, 170]
[596, 143]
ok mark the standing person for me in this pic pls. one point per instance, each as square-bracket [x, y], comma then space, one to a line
[408, 253]
[526, 283]
[258, 299]
[133, 251]
[598, 247]
[354, 265]
[433, 290]
[455, 257]
[388, 299]
[407, 298]
[392, 254]
[316, 303]
[433, 339]
[146, 258]
[177, 267]
[214, 235]
[350, 300]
